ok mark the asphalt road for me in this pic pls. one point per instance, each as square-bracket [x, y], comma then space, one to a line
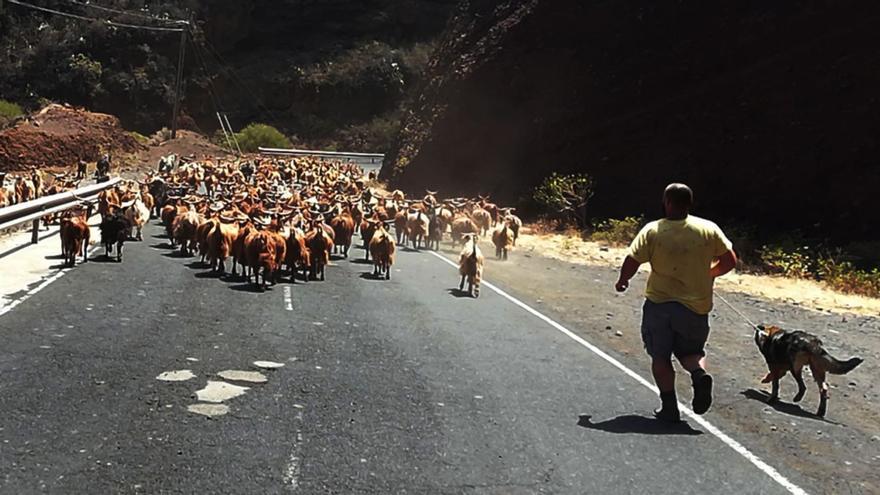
[388, 387]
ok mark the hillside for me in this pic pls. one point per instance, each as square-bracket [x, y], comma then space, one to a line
[768, 110]
[329, 72]
[61, 136]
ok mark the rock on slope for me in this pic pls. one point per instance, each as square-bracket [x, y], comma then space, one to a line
[768, 109]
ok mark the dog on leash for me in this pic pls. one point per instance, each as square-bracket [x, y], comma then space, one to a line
[787, 351]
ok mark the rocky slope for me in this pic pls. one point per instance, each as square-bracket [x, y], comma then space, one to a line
[768, 110]
[61, 136]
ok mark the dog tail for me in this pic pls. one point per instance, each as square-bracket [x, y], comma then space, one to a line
[838, 367]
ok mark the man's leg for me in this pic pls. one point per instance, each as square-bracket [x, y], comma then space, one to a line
[692, 331]
[664, 374]
[658, 338]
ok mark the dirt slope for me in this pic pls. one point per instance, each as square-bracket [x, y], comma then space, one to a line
[61, 136]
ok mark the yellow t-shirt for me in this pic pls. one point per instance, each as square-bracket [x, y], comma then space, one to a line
[680, 253]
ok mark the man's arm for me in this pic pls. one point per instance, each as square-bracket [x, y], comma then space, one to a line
[627, 271]
[723, 264]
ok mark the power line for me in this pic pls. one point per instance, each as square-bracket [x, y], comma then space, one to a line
[91, 19]
[234, 77]
[127, 12]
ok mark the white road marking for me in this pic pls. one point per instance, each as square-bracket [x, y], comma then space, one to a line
[288, 299]
[291, 474]
[10, 306]
[727, 440]
[176, 376]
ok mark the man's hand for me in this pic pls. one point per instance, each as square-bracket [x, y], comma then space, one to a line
[627, 271]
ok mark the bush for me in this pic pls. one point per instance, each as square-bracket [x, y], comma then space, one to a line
[566, 195]
[617, 232]
[252, 137]
[9, 110]
[790, 262]
[844, 277]
[140, 138]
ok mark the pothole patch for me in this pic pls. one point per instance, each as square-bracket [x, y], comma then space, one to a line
[217, 392]
[176, 376]
[243, 376]
[268, 365]
[210, 410]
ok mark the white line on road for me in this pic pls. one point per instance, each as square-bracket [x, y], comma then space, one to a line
[45, 283]
[291, 474]
[288, 299]
[730, 442]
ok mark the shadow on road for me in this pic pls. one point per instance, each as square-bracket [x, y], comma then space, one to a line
[783, 407]
[103, 258]
[54, 257]
[458, 293]
[249, 287]
[177, 254]
[209, 274]
[370, 276]
[632, 423]
[162, 245]
[360, 261]
[197, 265]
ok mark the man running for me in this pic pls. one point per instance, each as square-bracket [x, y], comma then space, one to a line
[686, 254]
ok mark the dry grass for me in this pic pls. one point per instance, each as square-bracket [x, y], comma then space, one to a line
[806, 293]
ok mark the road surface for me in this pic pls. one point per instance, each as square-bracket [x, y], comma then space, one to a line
[387, 387]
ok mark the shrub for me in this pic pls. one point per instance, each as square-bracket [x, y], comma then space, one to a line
[566, 195]
[252, 137]
[790, 262]
[617, 232]
[9, 110]
[844, 277]
[140, 137]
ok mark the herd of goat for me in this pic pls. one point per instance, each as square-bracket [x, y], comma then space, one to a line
[268, 215]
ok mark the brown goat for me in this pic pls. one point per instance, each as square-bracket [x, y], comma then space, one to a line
[470, 266]
[502, 237]
[382, 247]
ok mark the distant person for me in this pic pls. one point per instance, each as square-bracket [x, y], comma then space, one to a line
[686, 254]
[102, 170]
[81, 170]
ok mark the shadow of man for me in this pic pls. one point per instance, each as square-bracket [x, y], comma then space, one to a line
[632, 423]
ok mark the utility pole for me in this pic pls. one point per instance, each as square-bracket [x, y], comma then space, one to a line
[178, 85]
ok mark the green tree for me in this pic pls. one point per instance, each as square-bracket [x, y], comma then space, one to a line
[252, 137]
[566, 195]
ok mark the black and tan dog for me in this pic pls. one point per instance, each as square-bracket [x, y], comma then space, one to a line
[790, 351]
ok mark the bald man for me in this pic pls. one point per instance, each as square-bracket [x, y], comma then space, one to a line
[686, 254]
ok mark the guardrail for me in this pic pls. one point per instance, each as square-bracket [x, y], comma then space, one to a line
[33, 211]
[334, 154]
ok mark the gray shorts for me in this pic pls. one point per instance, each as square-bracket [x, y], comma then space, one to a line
[672, 328]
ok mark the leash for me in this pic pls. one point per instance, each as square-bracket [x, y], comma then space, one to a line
[740, 313]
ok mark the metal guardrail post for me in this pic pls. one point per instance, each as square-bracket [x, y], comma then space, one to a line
[35, 233]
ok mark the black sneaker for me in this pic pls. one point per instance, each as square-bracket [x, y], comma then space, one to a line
[668, 414]
[702, 394]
